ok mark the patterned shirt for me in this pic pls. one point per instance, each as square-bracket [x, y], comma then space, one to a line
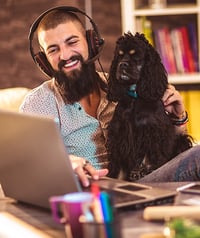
[83, 135]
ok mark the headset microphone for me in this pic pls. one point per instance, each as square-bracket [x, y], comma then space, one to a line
[94, 41]
[95, 57]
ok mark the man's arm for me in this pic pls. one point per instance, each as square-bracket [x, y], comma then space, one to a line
[174, 105]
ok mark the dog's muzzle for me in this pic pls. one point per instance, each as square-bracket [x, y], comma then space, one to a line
[122, 71]
[123, 65]
[128, 72]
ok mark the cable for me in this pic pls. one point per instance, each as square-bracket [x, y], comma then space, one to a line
[105, 75]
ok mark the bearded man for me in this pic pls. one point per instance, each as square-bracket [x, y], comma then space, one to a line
[75, 96]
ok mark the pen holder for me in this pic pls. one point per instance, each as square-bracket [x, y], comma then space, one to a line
[101, 230]
[67, 209]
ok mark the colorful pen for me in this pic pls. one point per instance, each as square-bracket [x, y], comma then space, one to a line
[96, 206]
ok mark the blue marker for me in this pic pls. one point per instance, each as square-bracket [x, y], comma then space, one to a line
[106, 207]
[107, 214]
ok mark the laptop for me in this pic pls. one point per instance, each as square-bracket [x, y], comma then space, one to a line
[34, 165]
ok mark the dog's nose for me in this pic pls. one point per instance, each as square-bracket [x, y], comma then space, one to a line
[123, 65]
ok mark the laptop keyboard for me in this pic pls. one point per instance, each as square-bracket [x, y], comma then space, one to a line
[119, 197]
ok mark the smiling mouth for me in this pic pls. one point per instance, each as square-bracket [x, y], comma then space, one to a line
[70, 63]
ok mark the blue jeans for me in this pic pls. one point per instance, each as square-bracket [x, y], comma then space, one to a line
[184, 167]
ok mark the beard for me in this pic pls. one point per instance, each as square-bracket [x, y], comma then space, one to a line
[78, 83]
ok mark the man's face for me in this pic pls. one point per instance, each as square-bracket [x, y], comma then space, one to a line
[64, 42]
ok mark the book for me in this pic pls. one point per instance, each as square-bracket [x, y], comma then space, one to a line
[187, 50]
[169, 51]
[147, 29]
[165, 49]
[177, 50]
[158, 37]
[192, 33]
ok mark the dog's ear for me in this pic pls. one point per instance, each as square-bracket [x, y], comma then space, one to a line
[114, 89]
[154, 74]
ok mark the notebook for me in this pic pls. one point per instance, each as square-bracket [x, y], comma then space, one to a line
[34, 165]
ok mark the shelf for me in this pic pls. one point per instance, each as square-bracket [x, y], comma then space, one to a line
[192, 78]
[170, 10]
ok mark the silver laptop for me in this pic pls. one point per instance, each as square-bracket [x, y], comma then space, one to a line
[34, 165]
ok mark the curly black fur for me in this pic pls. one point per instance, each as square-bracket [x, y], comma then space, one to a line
[141, 136]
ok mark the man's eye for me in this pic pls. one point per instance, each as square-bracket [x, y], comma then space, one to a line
[72, 42]
[51, 51]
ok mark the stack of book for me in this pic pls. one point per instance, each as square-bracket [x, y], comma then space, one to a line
[177, 46]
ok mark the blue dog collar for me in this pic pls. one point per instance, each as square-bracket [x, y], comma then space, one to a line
[132, 91]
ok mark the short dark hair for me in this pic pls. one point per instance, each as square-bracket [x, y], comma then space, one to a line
[59, 16]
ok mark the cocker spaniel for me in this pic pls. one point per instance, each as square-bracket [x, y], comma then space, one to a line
[141, 134]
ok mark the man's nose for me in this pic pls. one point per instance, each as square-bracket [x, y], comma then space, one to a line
[64, 53]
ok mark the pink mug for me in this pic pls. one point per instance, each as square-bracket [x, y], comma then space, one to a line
[71, 206]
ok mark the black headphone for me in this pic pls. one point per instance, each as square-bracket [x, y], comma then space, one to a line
[94, 41]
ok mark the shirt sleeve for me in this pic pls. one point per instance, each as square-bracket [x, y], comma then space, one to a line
[39, 101]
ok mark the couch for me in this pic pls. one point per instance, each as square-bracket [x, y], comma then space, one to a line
[11, 98]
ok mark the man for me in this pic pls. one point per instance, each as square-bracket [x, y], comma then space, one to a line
[76, 97]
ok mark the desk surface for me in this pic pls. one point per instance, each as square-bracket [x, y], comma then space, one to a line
[132, 223]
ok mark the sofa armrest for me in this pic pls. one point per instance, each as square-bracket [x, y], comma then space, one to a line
[11, 98]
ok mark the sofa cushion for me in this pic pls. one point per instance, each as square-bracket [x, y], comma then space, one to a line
[11, 98]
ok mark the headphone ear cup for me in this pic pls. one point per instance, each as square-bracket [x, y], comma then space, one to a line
[93, 43]
[44, 65]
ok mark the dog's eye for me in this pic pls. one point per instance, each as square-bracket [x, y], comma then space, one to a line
[131, 52]
[121, 52]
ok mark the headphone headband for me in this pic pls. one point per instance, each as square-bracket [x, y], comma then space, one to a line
[95, 42]
[67, 9]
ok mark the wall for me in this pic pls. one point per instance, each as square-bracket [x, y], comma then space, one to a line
[16, 16]
[107, 15]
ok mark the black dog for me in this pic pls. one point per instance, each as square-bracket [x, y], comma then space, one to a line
[141, 134]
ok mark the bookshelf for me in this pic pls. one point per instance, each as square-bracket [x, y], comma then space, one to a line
[176, 13]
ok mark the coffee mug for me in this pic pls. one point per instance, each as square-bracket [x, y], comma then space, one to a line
[67, 210]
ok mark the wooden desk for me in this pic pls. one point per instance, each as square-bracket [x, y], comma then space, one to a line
[132, 223]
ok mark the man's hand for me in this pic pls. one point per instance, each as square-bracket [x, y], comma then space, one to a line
[173, 102]
[81, 167]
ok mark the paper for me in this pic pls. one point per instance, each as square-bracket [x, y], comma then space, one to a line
[12, 227]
